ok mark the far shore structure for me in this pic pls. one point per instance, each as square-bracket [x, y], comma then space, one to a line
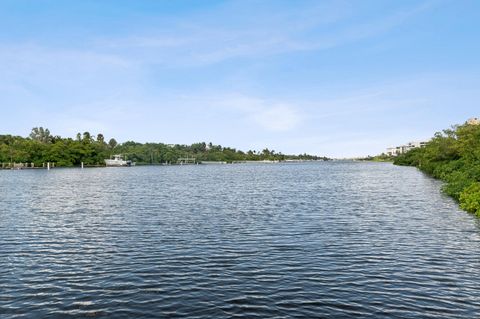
[397, 150]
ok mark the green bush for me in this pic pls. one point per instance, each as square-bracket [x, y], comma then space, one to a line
[452, 156]
[456, 182]
[470, 198]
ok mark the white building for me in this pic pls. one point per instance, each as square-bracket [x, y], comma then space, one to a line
[394, 151]
[397, 150]
[473, 121]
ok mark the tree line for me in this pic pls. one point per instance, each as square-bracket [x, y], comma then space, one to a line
[453, 156]
[41, 147]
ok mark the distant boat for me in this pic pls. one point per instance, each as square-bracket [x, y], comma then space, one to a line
[118, 161]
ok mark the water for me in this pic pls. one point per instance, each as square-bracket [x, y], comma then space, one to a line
[338, 240]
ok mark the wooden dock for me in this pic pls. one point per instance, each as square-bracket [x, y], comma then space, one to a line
[14, 165]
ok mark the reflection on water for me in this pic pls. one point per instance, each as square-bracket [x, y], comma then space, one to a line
[289, 240]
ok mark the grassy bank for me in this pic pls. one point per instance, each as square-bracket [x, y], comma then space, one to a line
[454, 157]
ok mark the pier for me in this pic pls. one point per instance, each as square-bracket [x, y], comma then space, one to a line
[187, 160]
[15, 165]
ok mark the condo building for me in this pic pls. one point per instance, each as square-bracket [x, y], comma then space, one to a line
[397, 150]
[473, 121]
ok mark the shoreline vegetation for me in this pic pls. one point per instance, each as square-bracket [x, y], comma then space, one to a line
[452, 156]
[377, 158]
[41, 147]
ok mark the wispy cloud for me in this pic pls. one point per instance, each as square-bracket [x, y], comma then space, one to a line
[123, 61]
[296, 76]
[271, 115]
[268, 114]
[320, 28]
[62, 75]
[278, 118]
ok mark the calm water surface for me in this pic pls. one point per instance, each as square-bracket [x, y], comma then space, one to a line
[338, 240]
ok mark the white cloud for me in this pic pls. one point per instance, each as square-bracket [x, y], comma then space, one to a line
[122, 86]
[277, 118]
[319, 27]
[268, 114]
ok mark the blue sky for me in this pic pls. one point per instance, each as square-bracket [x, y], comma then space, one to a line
[336, 78]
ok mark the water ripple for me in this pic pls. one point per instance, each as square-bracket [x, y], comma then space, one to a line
[330, 240]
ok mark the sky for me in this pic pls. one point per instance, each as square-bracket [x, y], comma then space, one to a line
[335, 78]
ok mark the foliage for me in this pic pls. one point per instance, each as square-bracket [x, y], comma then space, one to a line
[379, 158]
[41, 147]
[41, 135]
[470, 199]
[454, 157]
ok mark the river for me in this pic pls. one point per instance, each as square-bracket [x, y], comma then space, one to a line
[305, 240]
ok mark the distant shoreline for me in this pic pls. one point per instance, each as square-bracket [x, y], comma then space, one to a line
[6, 167]
[41, 147]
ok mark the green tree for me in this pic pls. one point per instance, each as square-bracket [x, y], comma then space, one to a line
[112, 143]
[100, 138]
[41, 135]
[453, 156]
